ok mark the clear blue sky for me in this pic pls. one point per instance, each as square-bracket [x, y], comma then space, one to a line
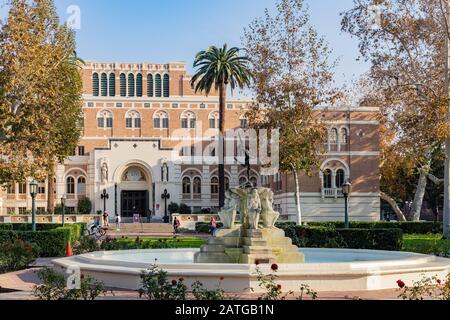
[175, 30]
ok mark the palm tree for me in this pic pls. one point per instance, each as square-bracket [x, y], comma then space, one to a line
[218, 68]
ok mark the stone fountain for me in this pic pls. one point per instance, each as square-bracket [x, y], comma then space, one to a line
[255, 238]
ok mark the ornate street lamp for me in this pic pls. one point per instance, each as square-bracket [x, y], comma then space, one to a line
[104, 196]
[165, 196]
[63, 208]
[346, 188]
[33, 193]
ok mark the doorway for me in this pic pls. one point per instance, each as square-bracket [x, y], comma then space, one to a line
[134, 202]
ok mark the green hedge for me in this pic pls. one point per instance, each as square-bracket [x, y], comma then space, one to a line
[354, 238]
[408, 227]
[203, 227]
[51, 238]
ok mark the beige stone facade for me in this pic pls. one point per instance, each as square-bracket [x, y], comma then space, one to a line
[133, 118]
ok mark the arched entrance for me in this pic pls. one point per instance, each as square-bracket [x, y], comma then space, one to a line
[134, 189]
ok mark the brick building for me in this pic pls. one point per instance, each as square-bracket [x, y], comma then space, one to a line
[134, 117]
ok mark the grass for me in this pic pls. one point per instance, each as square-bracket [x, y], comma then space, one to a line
[179, 242]
[427, 244]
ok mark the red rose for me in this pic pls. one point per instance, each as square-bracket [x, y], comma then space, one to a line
[82, 276]
[274, 267]
[221, 278]
[257, 262]
[174, 282]
[279, 286]
[400, 284]
[439, 281]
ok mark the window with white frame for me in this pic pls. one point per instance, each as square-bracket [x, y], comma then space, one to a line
[160, 120]
[186, 185]
[81, 185]
[197, 185]
[340, 178]
[333, 139]
[188, 120]
[214, 120]
[70, 185]
[133, 119]
[104, 119]
[344, 136]
[327, 179]
[214, 185]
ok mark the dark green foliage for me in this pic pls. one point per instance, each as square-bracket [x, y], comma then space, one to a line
[173, 208]
[50, 238]
[53, 287]
[203, 227]
[17, 255]
[408, 227]
[84, 205]
[184, 209]
[328, 236]
[156, 286]
[201, 293]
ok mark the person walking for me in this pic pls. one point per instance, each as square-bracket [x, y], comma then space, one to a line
[105, 219]
[118, 220]
[212, 227]
[176, 225]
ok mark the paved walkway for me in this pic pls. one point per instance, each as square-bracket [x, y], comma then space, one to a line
[23, 281]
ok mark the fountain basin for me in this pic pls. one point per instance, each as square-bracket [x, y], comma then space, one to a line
[323, 270]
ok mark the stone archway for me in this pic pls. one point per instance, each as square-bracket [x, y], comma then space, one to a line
[134, 192]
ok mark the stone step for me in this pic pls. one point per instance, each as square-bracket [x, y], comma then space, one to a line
[212, 248]
[143, 228]
[257, 250]
[253, 233]
[226, 241]
[254, 242]
[253, 258]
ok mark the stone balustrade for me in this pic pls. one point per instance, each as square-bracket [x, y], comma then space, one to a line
[48, 218]
[188, 221]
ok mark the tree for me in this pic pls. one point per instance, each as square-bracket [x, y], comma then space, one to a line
[40, 99]
[406, 49]
[292, 76]
[218, 68]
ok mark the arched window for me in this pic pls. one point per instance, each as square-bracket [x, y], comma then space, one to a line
[254, 181]
[166, 89]
[327, 179]
[123, 85]
[139, 85]
[112, 84]
[104, 85]
[188, 120]
[227, 183]
[150, 85]
[70, 185]
[81, 186]
[133, 119]
[214, 185]
[104, 119]
[214, 120]
[197, 185]
[131, 85]
[243, 122]
[333, 136]
[186, 185]
[160, 120]
[344, 136]
[242, 181]
[340, 178]
[158, 85]
[95, 85]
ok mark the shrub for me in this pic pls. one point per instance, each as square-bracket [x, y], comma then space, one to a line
[84, 205]
[51, 242]
[184, 209]
[173, 208]
[328, 236]
[431, 287]
[200, 293]
[17, 255]
[203, 227]
[408, 227]
[54, 287]
[86, 244]
[155, 286]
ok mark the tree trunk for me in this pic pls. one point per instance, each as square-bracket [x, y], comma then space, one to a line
[51, 191]
[394, 206]
[222, 100]
[420, 193]
[297, 197]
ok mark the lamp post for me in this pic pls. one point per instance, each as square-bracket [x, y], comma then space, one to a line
[33, 193]
[63, 208]
[104, 196]
[346, 191]
[165, 196]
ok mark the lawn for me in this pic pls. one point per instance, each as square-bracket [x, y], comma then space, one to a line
[427, 244]
[179, 242]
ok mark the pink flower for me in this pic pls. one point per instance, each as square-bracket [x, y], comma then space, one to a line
[400, 284]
